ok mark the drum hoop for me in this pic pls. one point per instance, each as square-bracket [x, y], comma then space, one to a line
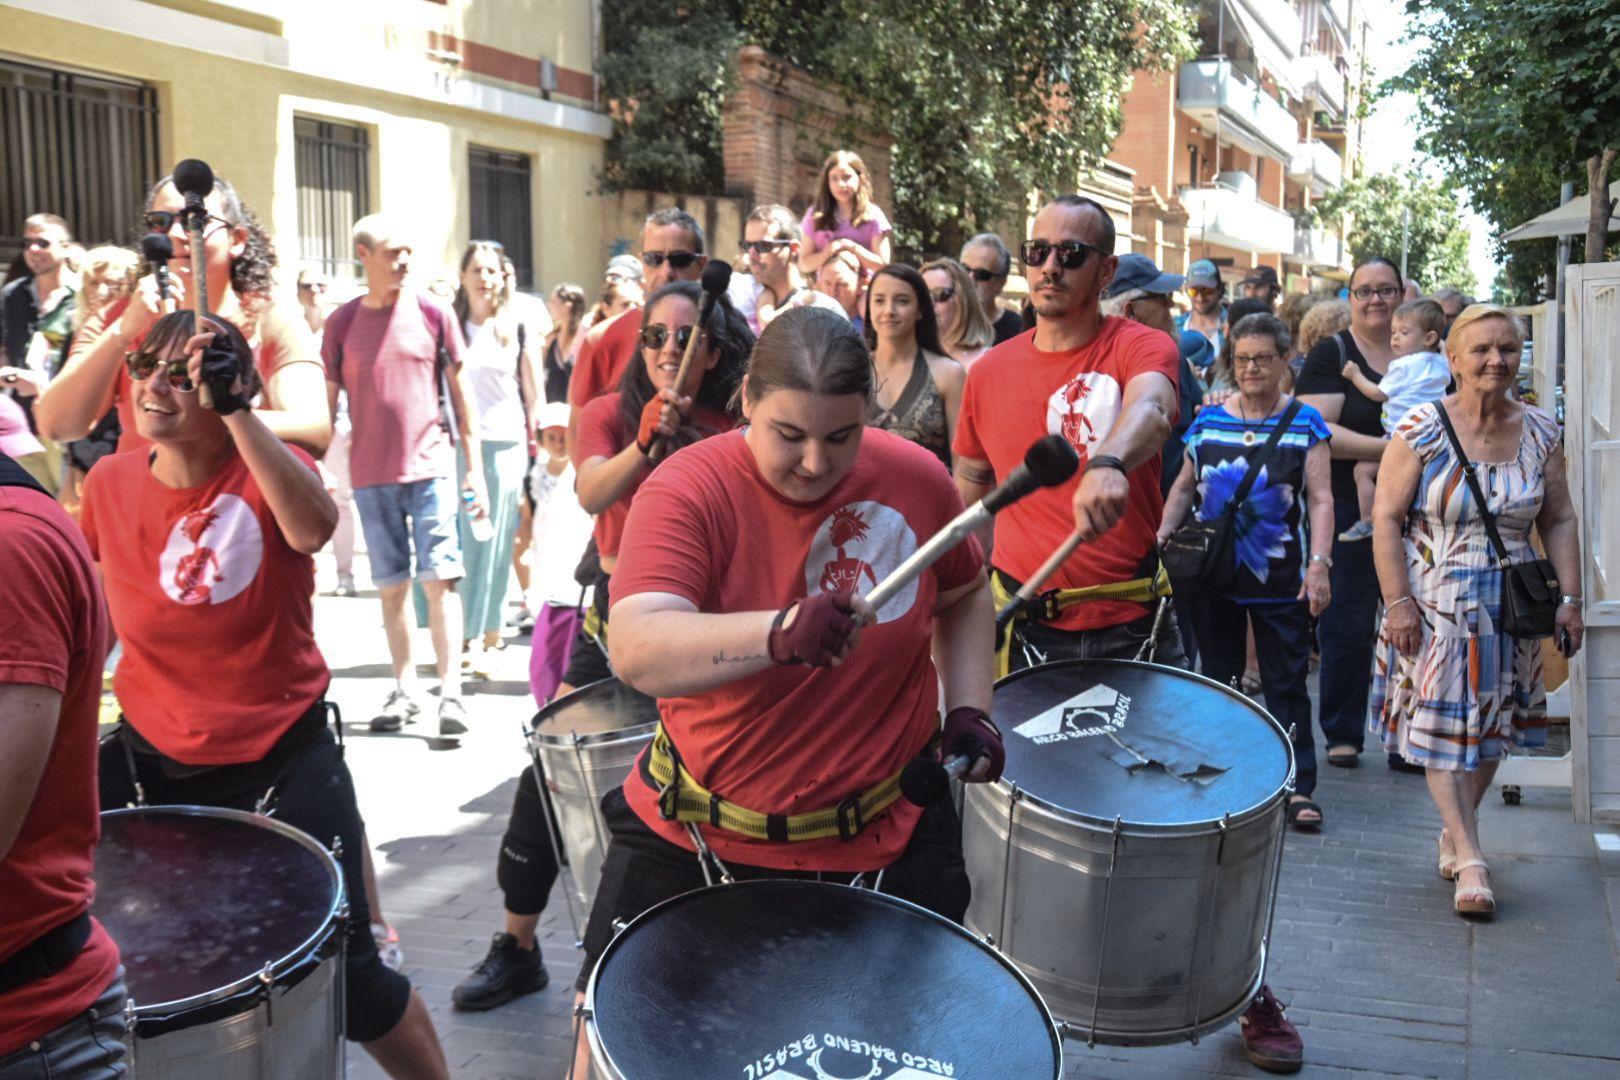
[536, 738]
[292, 959]
[1004, 786]
[566, 741]
[593, 1032]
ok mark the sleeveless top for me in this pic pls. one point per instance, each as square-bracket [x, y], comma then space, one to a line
[918, 414]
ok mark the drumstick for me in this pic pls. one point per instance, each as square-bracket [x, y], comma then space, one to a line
[195, 180]
[716, 278]
[1026, 592]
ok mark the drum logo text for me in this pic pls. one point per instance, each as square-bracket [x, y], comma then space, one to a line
[1101, 710]
[839, 1057]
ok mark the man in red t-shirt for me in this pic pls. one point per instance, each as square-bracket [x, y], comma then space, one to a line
[61, 989]
[671, 250]
[1107, 385]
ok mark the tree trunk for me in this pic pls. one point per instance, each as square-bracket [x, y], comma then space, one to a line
[1597, 219]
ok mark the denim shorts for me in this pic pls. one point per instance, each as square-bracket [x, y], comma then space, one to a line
[393, 517]
[88, 1047]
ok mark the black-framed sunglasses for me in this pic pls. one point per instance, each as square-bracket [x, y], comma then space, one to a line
[654, 336]
[678, 260]
[37, 242]
[981, 275]
[142, 365]
[942, 294]
[161, 221]
[1072, 254]
[760, 247]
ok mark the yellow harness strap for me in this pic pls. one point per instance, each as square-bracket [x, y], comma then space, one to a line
[1047, 605]
[682, 798]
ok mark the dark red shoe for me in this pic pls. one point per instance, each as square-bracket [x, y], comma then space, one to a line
[1269, 1040]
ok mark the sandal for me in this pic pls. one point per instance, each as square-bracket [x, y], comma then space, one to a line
[1298, 807]
[1448, 860]
[1345, 757]
[1474, 899]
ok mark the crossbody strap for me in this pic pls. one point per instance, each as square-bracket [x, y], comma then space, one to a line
[1259, 460]
[1473, 486]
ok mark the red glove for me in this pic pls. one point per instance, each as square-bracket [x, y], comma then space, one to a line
[970, 733]
[651, 416]
[813, 630]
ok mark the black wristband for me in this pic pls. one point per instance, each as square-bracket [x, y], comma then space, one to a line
[1106, 461]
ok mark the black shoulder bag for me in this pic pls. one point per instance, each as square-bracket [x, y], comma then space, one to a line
[1530, 588]
[1199, 554]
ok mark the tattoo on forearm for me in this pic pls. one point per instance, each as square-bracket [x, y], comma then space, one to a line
[721, 658]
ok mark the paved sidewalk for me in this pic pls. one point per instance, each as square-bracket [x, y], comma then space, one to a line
[1382, 979]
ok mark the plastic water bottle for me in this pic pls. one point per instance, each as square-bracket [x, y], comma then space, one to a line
[482, 529]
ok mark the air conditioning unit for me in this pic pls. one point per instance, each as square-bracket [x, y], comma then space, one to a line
[1240, 182]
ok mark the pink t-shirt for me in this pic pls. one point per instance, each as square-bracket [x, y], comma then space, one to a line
[384, 358]
[867, 233]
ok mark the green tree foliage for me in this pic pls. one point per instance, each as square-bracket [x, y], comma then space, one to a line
[1516, 98]
[1377, 205]
[985, 100]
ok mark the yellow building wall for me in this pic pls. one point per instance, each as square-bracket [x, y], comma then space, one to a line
[238, 116]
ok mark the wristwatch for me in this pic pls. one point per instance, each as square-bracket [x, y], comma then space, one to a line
[1569, 600]
[1325, 560]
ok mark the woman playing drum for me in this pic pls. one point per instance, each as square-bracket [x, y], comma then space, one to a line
[737, 604]
[204, 543]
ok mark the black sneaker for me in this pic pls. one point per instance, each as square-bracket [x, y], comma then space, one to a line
[504, 974]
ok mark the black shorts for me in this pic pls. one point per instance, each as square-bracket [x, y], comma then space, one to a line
[642, 869]
[314, 793]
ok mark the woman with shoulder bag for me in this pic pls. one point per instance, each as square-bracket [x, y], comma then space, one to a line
[1258, 463]
[1465, 598]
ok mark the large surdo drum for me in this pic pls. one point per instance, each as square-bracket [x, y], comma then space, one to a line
[794, 980]
[585, 743]
[1127, 859]
[231, 927]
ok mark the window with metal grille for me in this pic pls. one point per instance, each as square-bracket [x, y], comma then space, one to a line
[333, 166]
[500, 207]
[81, 146]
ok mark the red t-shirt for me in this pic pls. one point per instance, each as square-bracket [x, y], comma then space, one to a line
[55, 629]
[212, 606]
[280, 337]
[1016, 394]
[602, 357]
[388, 366]
[707, 527]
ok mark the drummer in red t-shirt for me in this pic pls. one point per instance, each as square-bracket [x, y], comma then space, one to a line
[737, 603]
[204, 543]
[1108, 385]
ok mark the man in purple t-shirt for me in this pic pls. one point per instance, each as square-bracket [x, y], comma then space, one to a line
[382, 348]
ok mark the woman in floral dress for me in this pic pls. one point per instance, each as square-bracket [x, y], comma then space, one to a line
[1452, 690]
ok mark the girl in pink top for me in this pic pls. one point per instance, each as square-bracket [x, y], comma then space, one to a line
[844, 218]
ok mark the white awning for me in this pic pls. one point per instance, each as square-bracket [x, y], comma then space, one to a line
[1273, 31]
[1566, 220]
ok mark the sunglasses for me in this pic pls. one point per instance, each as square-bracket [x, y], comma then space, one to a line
[1072, 254]
[980, 274]
[141, 365]
[1202, 290]
[940, 295]
[759, 247]
[37, 242]
[161, 221]
[654, 337]
[1383, 292]
[678, 260]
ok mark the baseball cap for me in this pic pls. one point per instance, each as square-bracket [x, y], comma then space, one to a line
[624, 266]
[1203, 275]
[15, 439]
[1141, 272]
[553, 414]
[1261, 275]
[1196, 349]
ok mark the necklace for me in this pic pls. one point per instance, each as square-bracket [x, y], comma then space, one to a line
[1251, 437]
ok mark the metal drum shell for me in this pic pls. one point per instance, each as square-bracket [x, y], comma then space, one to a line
[281, 1023]
[581, 767]
[1170, 924]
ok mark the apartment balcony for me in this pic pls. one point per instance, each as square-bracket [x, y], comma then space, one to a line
[1317, 165]
[1216, 96]
[1318, 77]
[1318, 249]
[1236, 219]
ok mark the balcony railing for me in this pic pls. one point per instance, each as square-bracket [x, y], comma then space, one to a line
[1211, 91]
[1318, 165]
[1234, 219]
[1319, 249]
[1319, 80]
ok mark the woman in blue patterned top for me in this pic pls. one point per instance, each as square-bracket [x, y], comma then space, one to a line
[1281, 580]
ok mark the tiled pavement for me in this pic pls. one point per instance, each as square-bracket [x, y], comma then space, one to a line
[1381, 977]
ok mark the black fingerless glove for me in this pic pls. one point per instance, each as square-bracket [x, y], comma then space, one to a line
[220, 370]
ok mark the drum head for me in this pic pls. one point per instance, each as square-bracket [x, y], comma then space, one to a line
[200, 900]
[602, 709]
[1152, 745]
[790, 980]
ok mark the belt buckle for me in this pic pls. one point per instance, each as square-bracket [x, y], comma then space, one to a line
[1048, 602]
[847, 809]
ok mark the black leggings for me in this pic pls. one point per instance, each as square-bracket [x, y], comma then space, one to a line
[313, 792]
[527, 867]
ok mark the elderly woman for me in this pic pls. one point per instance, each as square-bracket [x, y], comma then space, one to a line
[1453, 689]
[964, 330]
[1282, 571]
